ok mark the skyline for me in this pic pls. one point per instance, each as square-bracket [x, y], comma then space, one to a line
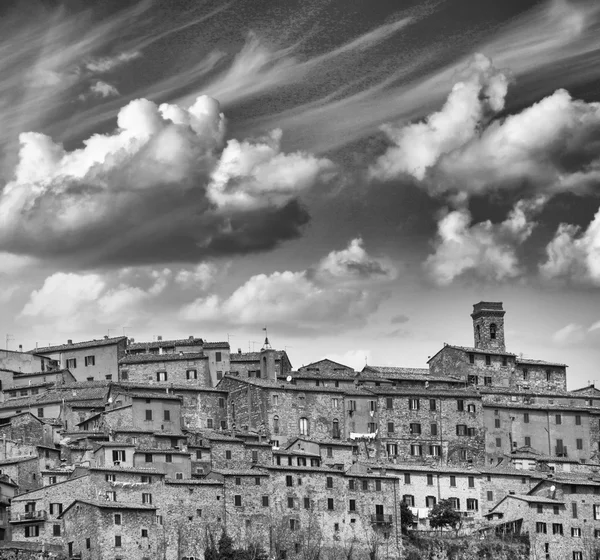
[353, 179]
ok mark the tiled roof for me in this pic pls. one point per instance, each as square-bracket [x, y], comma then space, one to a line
[326, 365]
[15, 460]
[211, 345]
[157, 450]
[251, 356]
[241, 472]
[128, 470]
[472, 351]
[535, 499]
[527, 361]
[78, 345]
[171, 386]
[393, 371]
[107, 504]
[195, 482]
[150, 358]
[142, 395]
[301, 469]
[166, 343]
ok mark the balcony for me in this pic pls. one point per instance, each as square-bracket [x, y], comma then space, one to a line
[28, 516]
[381, 519]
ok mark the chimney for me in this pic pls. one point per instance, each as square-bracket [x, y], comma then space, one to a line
[191, 337]
[105, 337]
[20, 348]
[239, 350]
[69, 341]
[159, 337]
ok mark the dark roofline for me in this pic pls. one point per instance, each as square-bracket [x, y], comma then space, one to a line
[108, 505]
[77, 345]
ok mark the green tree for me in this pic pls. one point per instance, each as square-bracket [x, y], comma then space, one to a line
[226, 550]
[407, 518]
[444, 515]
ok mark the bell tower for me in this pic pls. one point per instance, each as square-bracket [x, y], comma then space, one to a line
[488, 326]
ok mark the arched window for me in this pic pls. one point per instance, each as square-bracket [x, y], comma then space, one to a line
[303, 425]
[493, 330]
[275, 424]
[478, 330]
[336, 429]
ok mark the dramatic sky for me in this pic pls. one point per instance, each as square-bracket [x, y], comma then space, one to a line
[353, 175]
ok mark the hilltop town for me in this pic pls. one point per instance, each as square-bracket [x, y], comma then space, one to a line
[120, 449]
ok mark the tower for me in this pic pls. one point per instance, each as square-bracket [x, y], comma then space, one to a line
[267, 361]
[488, 326]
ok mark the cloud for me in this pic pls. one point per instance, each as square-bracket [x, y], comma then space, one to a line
[356, 359]
[485, 250]
[574, 254]
[102, 89]
[343, 289]
[569, 334]
[594, 327]
[160, 188]
[399, 319]
[201, 276]
[418, 147]
[107, 63]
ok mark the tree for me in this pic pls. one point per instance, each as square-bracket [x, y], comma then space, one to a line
[226, 550]
[407, 518]
[210, 552]
[444, 515]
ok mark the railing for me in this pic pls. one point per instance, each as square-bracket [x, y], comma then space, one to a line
[381, 518]
[39, 514]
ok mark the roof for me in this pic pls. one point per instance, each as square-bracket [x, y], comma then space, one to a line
[153, 358]
[527, 361]
[171, 386]
[128, 470]
[106, 341]
[212, 345]
[327, 365]
[15, 460]
[190, 341]
[106, 504]
[535, 499]
[472, 350]
[252, 356]
[138, 395]
[393, 371]
[241, 472]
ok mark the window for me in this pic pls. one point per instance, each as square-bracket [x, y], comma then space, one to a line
[473, 380]
[433, 429]
[372, 406]
[32, 531]
[237, 500]
[471, 358]
[56, 509]
[558, 419]
[429, 480]
[118, 455]
[527, 441]
[576, 532]
[228, 454]
[472, 504]
[56, 530]
[498, 442]
[461, 430]
[406, 478]
[275, 424]
[415, 429]
[430, 501]
[275, 400]
[148, 457]
[471, 408]
[191, 374]
[490, 496]
[117, 519]
[504, 361]
[144, 533]
[548, 375]
[209, 423]
[413, 404]
[238, 481]
[452, 480]
[540, 508]
[335, 402]
[329, 482]
[217, 356]
[111, 496]
[90, 361]
[389, 403]
[487, 381]
[146, 498]
[488, 360]
[148, 415]
[557, 529]
[335, 432]
[416, 450]
[432, 404]
[579, 444]
[471, 480]
[556, 509]
[265, 501]
[219, 375]
[372, 427]
[72, 363]
[409, 500]
[525, 374]
[330, 504]
[303, 426]
[161, 376]
[378, 485]
[167, 415]
[329, 451]
[455, 503]
[351, 405]
[574, 510]
[40, 412]
[289, 480]
[352, 505]
[460, 405]
[306, 503]
[577, 555]
[596, 511]
[435, 450]
[117, 541]
[110, 478]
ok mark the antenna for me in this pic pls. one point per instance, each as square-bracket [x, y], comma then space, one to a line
[253, 342]
[267, 344]
[9, 337]
[124, 329]
[229, 336]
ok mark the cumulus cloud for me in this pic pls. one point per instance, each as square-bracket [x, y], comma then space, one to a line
[416, 148]
[103, 89]
[574, 254]
[201, 276]
[160, 188]
[551, 146]
[343, 289]
[484, 250]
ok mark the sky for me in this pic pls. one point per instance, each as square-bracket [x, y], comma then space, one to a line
[351, 175]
